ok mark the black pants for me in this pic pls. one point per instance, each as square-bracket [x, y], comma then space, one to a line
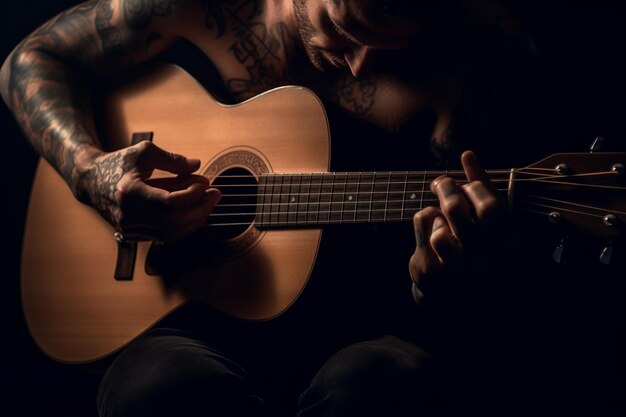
[170, 372]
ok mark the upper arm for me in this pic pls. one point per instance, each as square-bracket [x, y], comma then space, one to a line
[103, 36]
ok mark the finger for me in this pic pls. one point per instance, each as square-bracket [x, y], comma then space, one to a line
[475, 172]
[168, 202]
[444, 245]
[456, 209]
[489, 211]
[161, 159]
[173, 226]
[423, 260]
[472, 167]
[186, 222]
[494, 218]
[179, 182]
[194, 196]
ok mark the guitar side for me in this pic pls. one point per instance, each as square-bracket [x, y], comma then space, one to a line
[74, 307]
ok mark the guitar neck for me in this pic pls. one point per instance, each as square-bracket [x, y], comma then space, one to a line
[304, 200]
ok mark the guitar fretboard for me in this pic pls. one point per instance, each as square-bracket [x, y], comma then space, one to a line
[299, 200]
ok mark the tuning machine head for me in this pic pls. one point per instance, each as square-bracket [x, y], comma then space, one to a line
[606, 255]
[559, 254]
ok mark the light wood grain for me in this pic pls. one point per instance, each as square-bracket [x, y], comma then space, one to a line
[75, 309]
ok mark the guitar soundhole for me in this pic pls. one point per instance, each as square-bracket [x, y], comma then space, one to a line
[236, 210]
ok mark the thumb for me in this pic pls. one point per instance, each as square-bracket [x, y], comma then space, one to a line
[168, 161]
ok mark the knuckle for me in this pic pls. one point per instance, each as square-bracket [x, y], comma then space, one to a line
[417, 268]
[486, 208]
[454, 205]
[425, 213]
[438, 239]
[144, 145]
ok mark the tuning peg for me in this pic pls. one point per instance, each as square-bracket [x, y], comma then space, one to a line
[607, 254]
[596, 146]
[559, 252]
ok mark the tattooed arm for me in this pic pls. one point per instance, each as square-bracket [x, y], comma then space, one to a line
[43, 81]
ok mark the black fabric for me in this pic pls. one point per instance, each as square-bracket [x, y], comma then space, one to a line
[173, 372]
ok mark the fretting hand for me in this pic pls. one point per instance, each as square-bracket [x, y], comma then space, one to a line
[472, 231]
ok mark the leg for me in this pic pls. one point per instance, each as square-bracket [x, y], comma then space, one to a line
[382, 377]
[168, 373]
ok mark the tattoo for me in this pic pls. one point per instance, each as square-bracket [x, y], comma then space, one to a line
[35, 90]
[419, 239]
[355, 94]
[111, 38]
[441, 148]
[218, 12]
[42, 85]
[100, 183]
[138, 13]
[437, 224]
[260, 49]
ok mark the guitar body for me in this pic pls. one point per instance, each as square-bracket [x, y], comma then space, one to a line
[75, 308]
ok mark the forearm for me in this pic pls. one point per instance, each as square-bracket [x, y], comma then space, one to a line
[44, 81]
[51, 106]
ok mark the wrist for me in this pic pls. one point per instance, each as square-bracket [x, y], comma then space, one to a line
[85, 158]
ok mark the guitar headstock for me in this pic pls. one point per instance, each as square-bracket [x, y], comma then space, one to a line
[575, 193]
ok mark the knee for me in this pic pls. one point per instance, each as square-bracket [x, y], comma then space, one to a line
[367, 378]
[175, 378]
[384, 361]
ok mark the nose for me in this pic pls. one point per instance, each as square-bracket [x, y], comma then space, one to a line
[358, 59]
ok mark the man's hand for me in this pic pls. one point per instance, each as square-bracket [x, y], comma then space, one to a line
[472, 231]
[118, 185]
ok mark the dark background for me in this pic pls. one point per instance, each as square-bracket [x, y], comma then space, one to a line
[581, 95]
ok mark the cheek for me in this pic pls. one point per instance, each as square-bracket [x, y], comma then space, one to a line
[319, 31]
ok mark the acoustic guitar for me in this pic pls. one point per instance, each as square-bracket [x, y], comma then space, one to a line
[86, 294]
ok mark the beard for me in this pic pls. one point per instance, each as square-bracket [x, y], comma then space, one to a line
[305, 28]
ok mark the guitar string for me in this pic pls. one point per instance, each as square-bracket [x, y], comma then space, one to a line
[563, 209]
[357, 211]
[322, 194]
[568, 203]
[402, 218]
[433, 174]
[403, 212]
[547, 180]
[356, 191]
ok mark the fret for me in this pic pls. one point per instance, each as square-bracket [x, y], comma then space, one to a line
[395, 193]
[388, 184]
[350, 199]
[292, 207]
[261, 208]
[413, 195]
[314, 199]
[379, 196]
[283, 207]
[275, 200]
[303, 199]
[364, 202]
[373, 181]
[339, 189]
[423, 192]
[325, 198]
[404, 196]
